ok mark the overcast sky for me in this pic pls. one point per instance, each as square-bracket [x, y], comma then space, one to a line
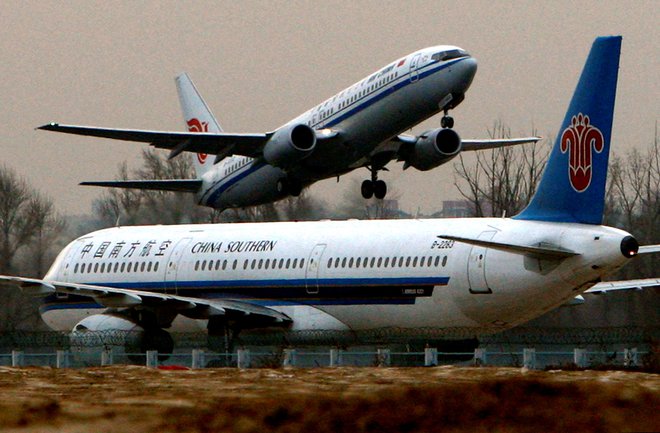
[259, 64]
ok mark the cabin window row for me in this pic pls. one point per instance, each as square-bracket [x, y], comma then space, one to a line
[386, 262]
[116, 267]
[216, 265]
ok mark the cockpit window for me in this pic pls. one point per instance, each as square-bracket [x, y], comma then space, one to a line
[448, 55]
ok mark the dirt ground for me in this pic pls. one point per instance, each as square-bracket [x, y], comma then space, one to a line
[452, 399]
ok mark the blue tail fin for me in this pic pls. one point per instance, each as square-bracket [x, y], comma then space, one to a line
[572, 188]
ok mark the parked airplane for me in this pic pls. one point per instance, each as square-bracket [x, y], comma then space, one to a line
[359, 127]
[485, 274]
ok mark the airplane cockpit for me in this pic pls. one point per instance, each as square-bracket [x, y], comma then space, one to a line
[449, 55]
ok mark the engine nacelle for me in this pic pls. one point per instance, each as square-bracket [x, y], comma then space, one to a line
[434, 148]
[102, 330]
[289, 145]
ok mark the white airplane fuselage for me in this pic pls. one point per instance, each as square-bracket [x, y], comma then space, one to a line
[366, 114]
[345, 275]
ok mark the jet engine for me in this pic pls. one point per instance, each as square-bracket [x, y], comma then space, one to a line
[289, 144]
[110, 329]
[434, 148]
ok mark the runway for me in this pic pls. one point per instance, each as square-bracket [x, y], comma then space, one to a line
[452, 399]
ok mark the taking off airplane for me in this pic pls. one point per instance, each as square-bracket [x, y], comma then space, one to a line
[483, 274]
[361, 126]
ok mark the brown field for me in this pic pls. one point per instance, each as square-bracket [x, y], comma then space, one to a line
[452, 399]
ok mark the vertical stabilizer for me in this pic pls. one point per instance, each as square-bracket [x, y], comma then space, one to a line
[198, 118]
[572, 188]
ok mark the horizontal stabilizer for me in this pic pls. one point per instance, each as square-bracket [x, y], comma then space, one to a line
[541, 252]
[495, 143]
[176, 185]
[649, 249]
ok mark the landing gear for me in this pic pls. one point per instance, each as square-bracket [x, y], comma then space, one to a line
[447, 121]
[374, 187]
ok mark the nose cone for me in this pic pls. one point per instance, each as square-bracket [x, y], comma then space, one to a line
[468, 69]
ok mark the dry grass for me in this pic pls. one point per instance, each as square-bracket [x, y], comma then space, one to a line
[451, 399]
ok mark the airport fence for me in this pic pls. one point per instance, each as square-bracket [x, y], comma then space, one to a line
[631, 358]
[629, 347]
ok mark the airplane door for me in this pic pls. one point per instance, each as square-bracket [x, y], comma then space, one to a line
[312, 271]
[414, 72]
[174, 263]
[477, 266]
[68, 261]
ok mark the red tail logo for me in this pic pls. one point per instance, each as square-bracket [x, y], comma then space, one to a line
[578, 139]
[194, 125]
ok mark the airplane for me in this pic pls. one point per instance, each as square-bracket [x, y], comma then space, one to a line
[361, 126]
[480, 274]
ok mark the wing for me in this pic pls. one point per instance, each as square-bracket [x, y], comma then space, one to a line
[471, 144]
[176, 185]
[541, 251]
[194, 308]
[250, 145]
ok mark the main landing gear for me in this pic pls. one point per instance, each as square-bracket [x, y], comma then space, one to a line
[374, 187]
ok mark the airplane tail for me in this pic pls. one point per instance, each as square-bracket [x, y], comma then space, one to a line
[572, 188]
[198, 117]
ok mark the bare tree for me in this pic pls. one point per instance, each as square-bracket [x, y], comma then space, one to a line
[503, 180]
[633, 202]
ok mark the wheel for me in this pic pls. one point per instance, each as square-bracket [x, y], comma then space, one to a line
[380, 189]
[295, 188]
[447, 122]
[367, 189]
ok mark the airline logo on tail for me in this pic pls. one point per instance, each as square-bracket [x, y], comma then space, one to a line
[579, 139]
[194, 125]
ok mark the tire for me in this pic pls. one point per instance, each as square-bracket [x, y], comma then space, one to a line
[380, 189]
[367, 189]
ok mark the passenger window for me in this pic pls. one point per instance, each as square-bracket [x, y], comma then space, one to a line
[358, 262]
[302, 263]
[224, 265]
[444, 261]
[329, 262]
[415, 262]
[295, 263]
[394, 261]
[408, 262]
[149, 267]
[75, 269]
[197, 265]
[128, 268]
[387, 262]
[142, 266]
[267, 264]
[102, 267]
[156, 267]
[123, 266]
[203, 265]
[116, 266]
[245, 264]
[430, 262]
[235, 264]
[350, 263]
[288, 263]
[96, 267]
[373, 261]
[401, 262]
[437, 260]
[380, 262]
[343, 262]
[82, 268]
[254, 263]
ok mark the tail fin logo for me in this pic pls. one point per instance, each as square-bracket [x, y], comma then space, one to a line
[579, 139]
[195, 125]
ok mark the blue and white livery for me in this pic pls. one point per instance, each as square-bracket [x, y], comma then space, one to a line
[361, 126]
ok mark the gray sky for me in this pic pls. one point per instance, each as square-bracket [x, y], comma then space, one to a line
[259, 64]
